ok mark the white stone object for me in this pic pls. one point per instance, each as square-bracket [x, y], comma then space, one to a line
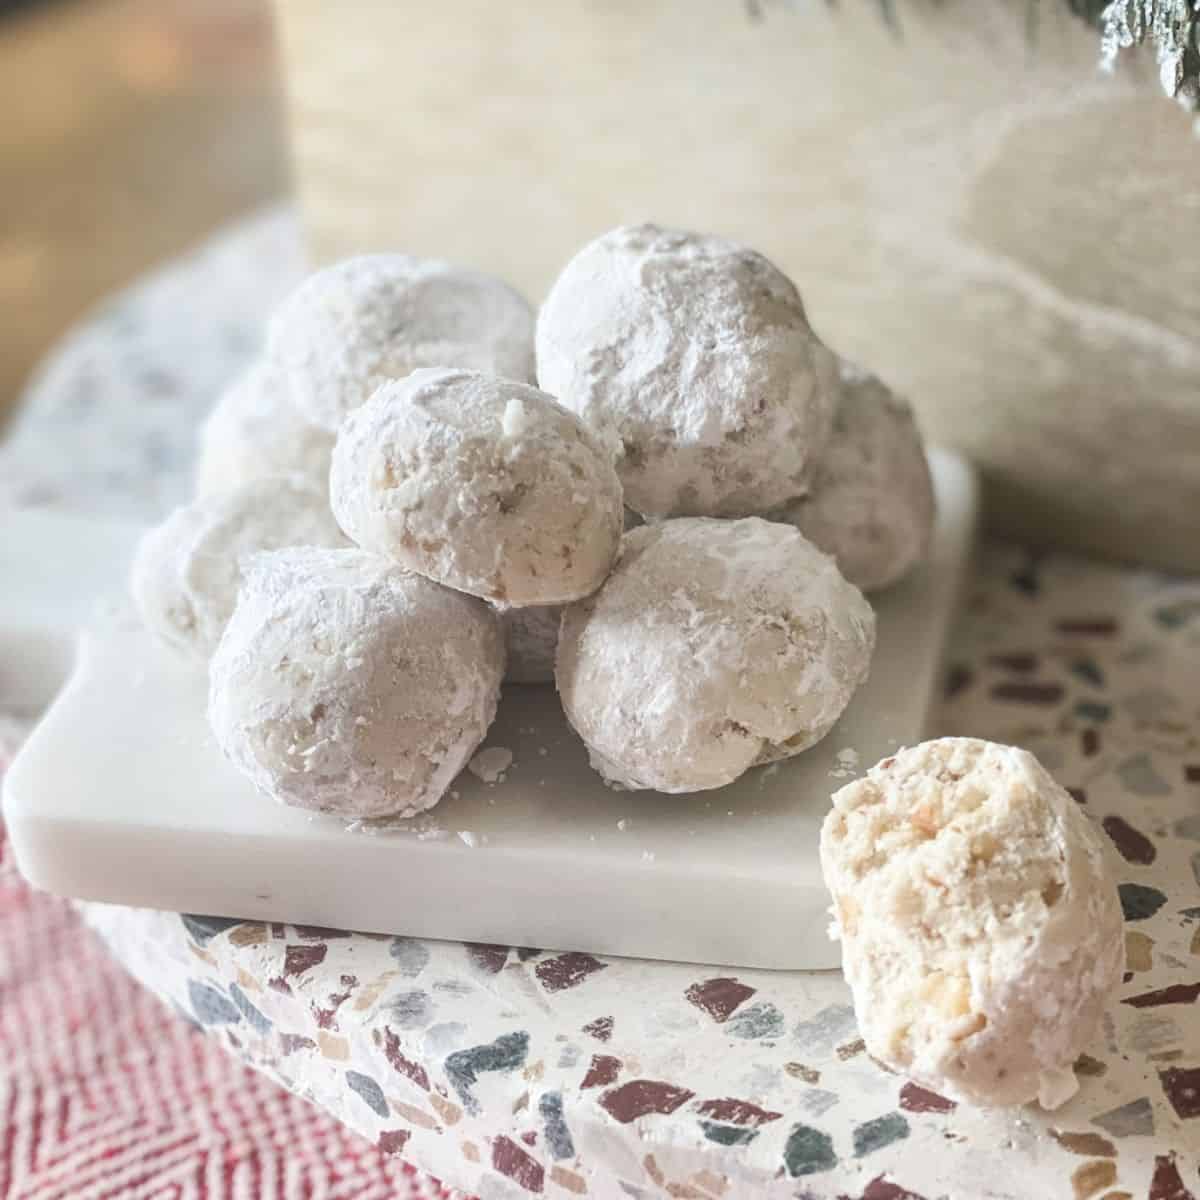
[123, 775]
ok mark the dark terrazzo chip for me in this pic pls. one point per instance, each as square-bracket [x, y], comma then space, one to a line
[1166, 1183]
[1088, 626]
[1025, 579]
[203, 929]
[393, 1141]
[525, 953]
[1135, 1119]
[554, 1124]
[641, 1097]
[601, 1028]
[958, 679]
[464, 1067]
[602, 1071]
[1182, 1088]
[756, 1021]
[883, 1131]
[1088, 670]
[1135, 846]
[1092, 710]
[1028, 693]
[719, 997]
[319, 933]
[257, 1021]
[410, 955]
[298, 959]
[916, 1099]
[1089, 742]
[808, 1151]
[487, 957]
[370, 1092]
[407, 1067]
[1176, 993]
[567, 970]
[737, 1112]
[1138, 901]
[728, 1135]
[884, 1189]
[210, 1006]
[517, 1164]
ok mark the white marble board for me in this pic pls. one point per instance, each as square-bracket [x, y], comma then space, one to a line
[121, 795]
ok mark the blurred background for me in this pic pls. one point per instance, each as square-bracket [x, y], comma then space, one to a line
[970, 206]
[132, 128]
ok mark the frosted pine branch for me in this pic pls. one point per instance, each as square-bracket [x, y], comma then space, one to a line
[1172, 27]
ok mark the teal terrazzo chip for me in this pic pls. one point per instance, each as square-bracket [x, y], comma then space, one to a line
[808, 1151]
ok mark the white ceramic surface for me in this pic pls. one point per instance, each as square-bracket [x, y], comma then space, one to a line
[121, 795]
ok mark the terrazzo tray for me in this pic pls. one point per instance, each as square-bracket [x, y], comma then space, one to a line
[121, 795]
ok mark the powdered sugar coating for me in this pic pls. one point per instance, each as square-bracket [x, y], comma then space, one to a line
[871, 504]
[256, 431]
[981, 928]
[358, 323]
[483, 484]
[696, 354]
[713, 646]
[345, 684]
[187, 571]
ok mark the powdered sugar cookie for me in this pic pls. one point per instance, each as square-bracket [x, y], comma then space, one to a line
[483, 484]
[187, 571]
[981, 929]
[256, 431]
[712, 646]
[348, 685]
[871, 504]
[695, 352]
[361, 322]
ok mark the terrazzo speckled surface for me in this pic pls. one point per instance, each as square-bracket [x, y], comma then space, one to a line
[513, 1072]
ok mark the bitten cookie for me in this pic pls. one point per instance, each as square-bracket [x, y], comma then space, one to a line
[348, 685]
[712, 646]
[187, 571]
[871, 504]
[981, 929]
[256, 431]
[480, 483]
[361, 322]
[696, 353]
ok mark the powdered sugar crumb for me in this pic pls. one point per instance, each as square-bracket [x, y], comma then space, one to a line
[490, 764]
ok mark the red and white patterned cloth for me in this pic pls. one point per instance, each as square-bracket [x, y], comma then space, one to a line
[104, 1092]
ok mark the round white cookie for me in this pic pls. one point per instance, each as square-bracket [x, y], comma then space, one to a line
[871, 504]
[696, 353]
[360, 322]
[981, 929]
[712, 646]
[481, 483]
[187, 571]
[255, 431]
[346, 684]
